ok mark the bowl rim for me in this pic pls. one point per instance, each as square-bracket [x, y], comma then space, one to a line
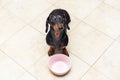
[59, 73]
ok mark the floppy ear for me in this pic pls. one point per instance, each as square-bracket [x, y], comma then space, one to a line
[47, 24]
[66, 26]
[67, 16]
[67, 19]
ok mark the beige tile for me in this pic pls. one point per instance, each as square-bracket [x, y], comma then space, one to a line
[79, 8]
[118, 39]
[40, 22]
[109, 63]
[78, 69]
[105, 19]
[87, 44]
[9, 24]
[4, 2]
[53, 1]
[26, 76]
[114, 3]
[40, 69]
[28, 9]
[59, 78]
[9, 69]
[25, 47]
[94, 75]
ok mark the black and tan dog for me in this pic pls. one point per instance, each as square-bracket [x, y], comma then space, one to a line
[57, 38]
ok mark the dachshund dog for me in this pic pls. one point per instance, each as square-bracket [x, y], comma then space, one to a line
[57, 38]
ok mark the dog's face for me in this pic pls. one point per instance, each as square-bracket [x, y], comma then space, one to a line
[58, 19]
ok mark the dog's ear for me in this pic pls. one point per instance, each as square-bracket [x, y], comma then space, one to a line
[67, 19]
[47, 24]
[66, 26]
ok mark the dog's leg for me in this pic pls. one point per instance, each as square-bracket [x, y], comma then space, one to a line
[51, 51]
[65, 51]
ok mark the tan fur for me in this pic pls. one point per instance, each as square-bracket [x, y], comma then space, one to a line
[57, 32]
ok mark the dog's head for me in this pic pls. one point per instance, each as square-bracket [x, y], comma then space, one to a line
[59, 19]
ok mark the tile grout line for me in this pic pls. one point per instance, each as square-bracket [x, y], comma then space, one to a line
[85, 16]
[90, 12]
[28, 23]
[44, 25]
[112, 6]
[93, 10]
[22, 20]
[101, 73]
[71, 13]
[80, 58]
[18, 64]
[5, 4]
[74, 28]
[13, 34]
[117, 39]
[98, 59]
[43, 12]
[37, 30]
[93, 26]
[31, 67]
[83, 62]
[98, 30]
[82, 20]
[103, 53]
[96, 71]
[91, 66]
[85, 73]
[53, 3]
[40, 14]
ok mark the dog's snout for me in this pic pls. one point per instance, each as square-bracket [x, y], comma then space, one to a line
[60, 26]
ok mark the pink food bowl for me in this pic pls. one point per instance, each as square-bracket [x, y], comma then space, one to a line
[59, 64]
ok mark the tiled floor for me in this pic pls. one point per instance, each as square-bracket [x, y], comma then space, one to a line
[94, 44]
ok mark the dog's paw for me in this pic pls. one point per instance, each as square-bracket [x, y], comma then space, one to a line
[65, 52]
[51, 51]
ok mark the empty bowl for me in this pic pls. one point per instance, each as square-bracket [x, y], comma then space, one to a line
[59, 64]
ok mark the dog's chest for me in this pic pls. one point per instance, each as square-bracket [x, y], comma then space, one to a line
[57, 34]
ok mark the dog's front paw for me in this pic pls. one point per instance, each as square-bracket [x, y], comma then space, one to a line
[51, 51]
[65, 52]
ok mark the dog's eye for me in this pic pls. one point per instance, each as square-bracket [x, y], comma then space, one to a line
[54, 17]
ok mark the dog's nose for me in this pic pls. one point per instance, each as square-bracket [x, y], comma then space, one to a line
[60, 26]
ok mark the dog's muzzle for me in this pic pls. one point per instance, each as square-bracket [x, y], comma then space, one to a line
[60, 26]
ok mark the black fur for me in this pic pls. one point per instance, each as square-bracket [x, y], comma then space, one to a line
[57, 16]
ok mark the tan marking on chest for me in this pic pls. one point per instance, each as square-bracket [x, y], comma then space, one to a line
[57, 32]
